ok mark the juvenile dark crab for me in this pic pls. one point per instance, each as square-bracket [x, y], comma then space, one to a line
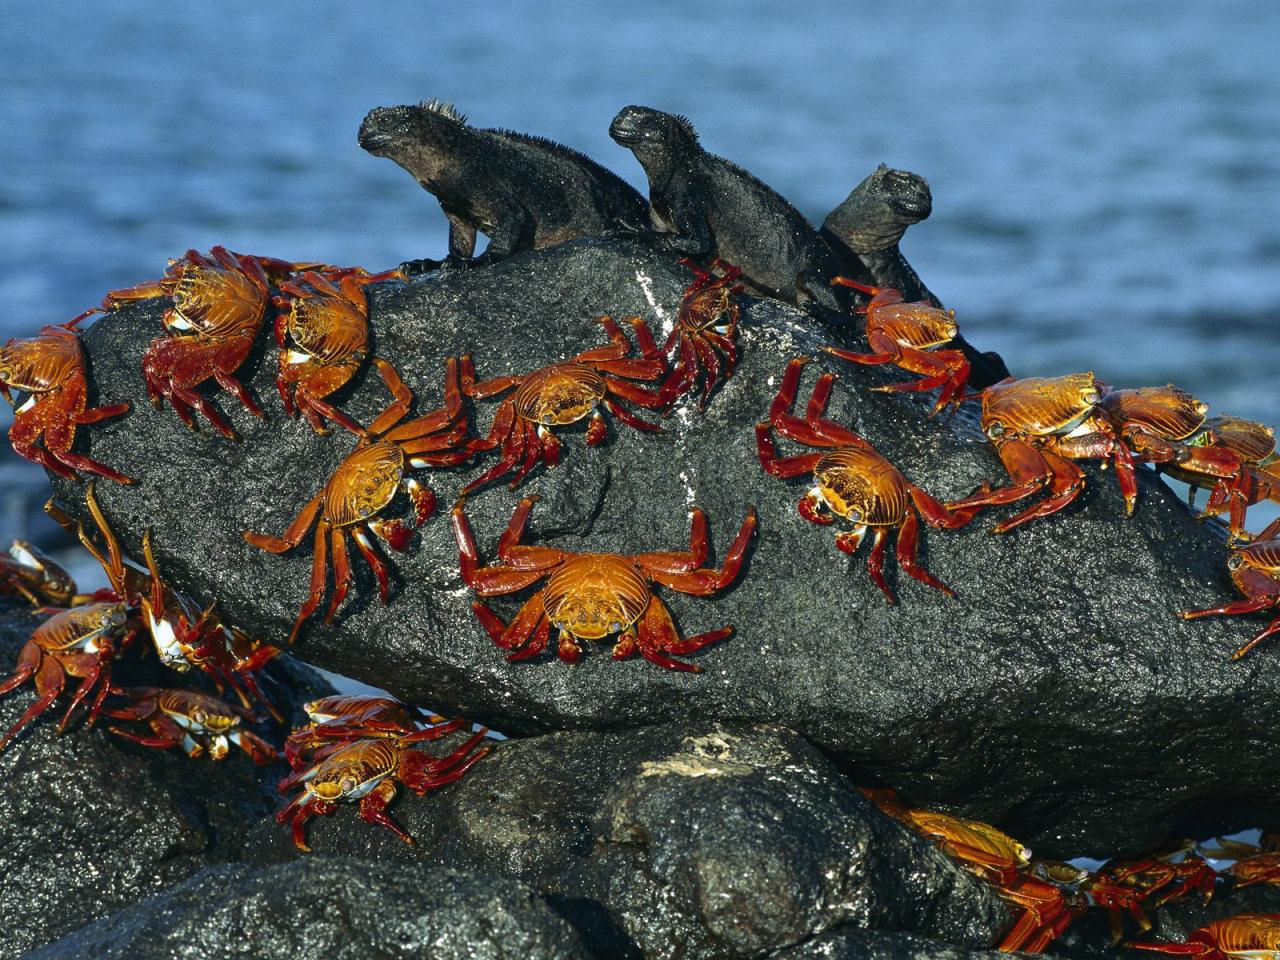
[564, 393]
[338, 719]
[590, 596]
[50, 370]
[1255, 571]
[1038, 425]
[1166, 426]
[909, 335]
[322, 329]
[219, 301]
[366, 771]
[704, 332]
[851, 480]
[27, 572]
[196, 722]
[364, 485]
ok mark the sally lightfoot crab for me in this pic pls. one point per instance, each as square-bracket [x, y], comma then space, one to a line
[366, 771]
[1246, 936]
[364, 485]
[27, 572]
[909, 336]
[851, 481]
[590, 596]
[703, 335]
[1038, 426]
[50, 370]
[322, 329]
[564, 393]
[1255, 571]
[194, 721]
[338, 719]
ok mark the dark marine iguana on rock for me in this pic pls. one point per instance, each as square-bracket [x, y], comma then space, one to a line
[703, 206]
[868, 227]
[523, 192]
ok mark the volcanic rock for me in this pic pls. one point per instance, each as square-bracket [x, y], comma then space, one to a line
[882, 945]
[331, 909]
[683, 840]
[1057, 695]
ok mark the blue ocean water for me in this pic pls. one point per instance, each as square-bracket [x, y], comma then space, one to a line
[1105, 174]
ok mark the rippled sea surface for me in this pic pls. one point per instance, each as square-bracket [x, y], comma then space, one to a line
[1106, 175]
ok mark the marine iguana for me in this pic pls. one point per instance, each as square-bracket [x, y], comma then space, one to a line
[867, 228]
[523, 192]
[703, 206]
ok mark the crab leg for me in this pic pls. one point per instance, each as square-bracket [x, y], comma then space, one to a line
[523, 624]
[533, 453]
[706, 581]
[629, 418]
[656, 633]
[294, 534]
[536, 644]
[907, 555]
[402, 396]
[649, 399]
[680, 561]
[523, 556]
[490, 581]
[49, 680]
[486, 388]
[319, 574]
[512, 438]
[90, 667]
[875, 563]
[341, 572]
[372, 559]
[784, 467]
[167, 733]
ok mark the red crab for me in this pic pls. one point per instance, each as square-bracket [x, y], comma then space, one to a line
[704, 332]
[1246, 936]
[50, 369]
[851, 480]
[337, 719]
[590, 596]
[194, 721]
[1150, 882]
[908, 336]
[219, 302]
[366, 771]
[26, 571]
[1255, 571]
[1038, 426]
[564, 393]
[322, 328]
[365, 484]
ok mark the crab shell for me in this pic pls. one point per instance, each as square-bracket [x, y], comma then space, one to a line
[1254, 935]
[215, 302]
[1253, 441]
[364, 483]
[36, 576]
[593, 595]
[42, 364]
[200, 716]
[80, 628]
[352, 771]
[328, 329]
[971, 834]
[560, 394]
[1038, 406]
[914, 324]
[861, 486]
[1169, 411]
[1255, 568]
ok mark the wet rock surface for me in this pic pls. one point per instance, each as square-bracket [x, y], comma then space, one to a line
[879, 945]
[331, 909]
[94, 823]
[1057, 696]
[677, 841]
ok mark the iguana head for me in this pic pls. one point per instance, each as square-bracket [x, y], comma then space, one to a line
[408, 134]
[881, 207]
[653, 136]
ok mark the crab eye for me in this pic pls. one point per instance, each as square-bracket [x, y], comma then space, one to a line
[347, 784]
[995, 429]
[855, 515]
[199, 716]
[1235, 562]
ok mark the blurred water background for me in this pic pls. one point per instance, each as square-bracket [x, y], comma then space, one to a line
[1105, 174]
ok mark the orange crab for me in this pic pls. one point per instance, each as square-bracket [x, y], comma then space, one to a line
[219, 301]
[909, 335]
[1038, 426]
[704, 332]
[322, 328]
[590, 596]
[997, 858]
[1166, 426]
[851, 480]
[1246, 936]
[364, 484]
[341, 718]
[1129, 886]
[366, 771]
[194, 721]
[564, 393]
[27, 572]
[50, 369]
[1255, 571]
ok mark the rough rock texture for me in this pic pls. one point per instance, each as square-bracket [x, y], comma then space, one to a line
[678, 841]
[94, 823]
[880, 945]
[331, 909]
[1057, 696]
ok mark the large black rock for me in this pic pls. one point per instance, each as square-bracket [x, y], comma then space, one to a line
[94, 823]
[331, 909]
[685, 840]
[1057, 695]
